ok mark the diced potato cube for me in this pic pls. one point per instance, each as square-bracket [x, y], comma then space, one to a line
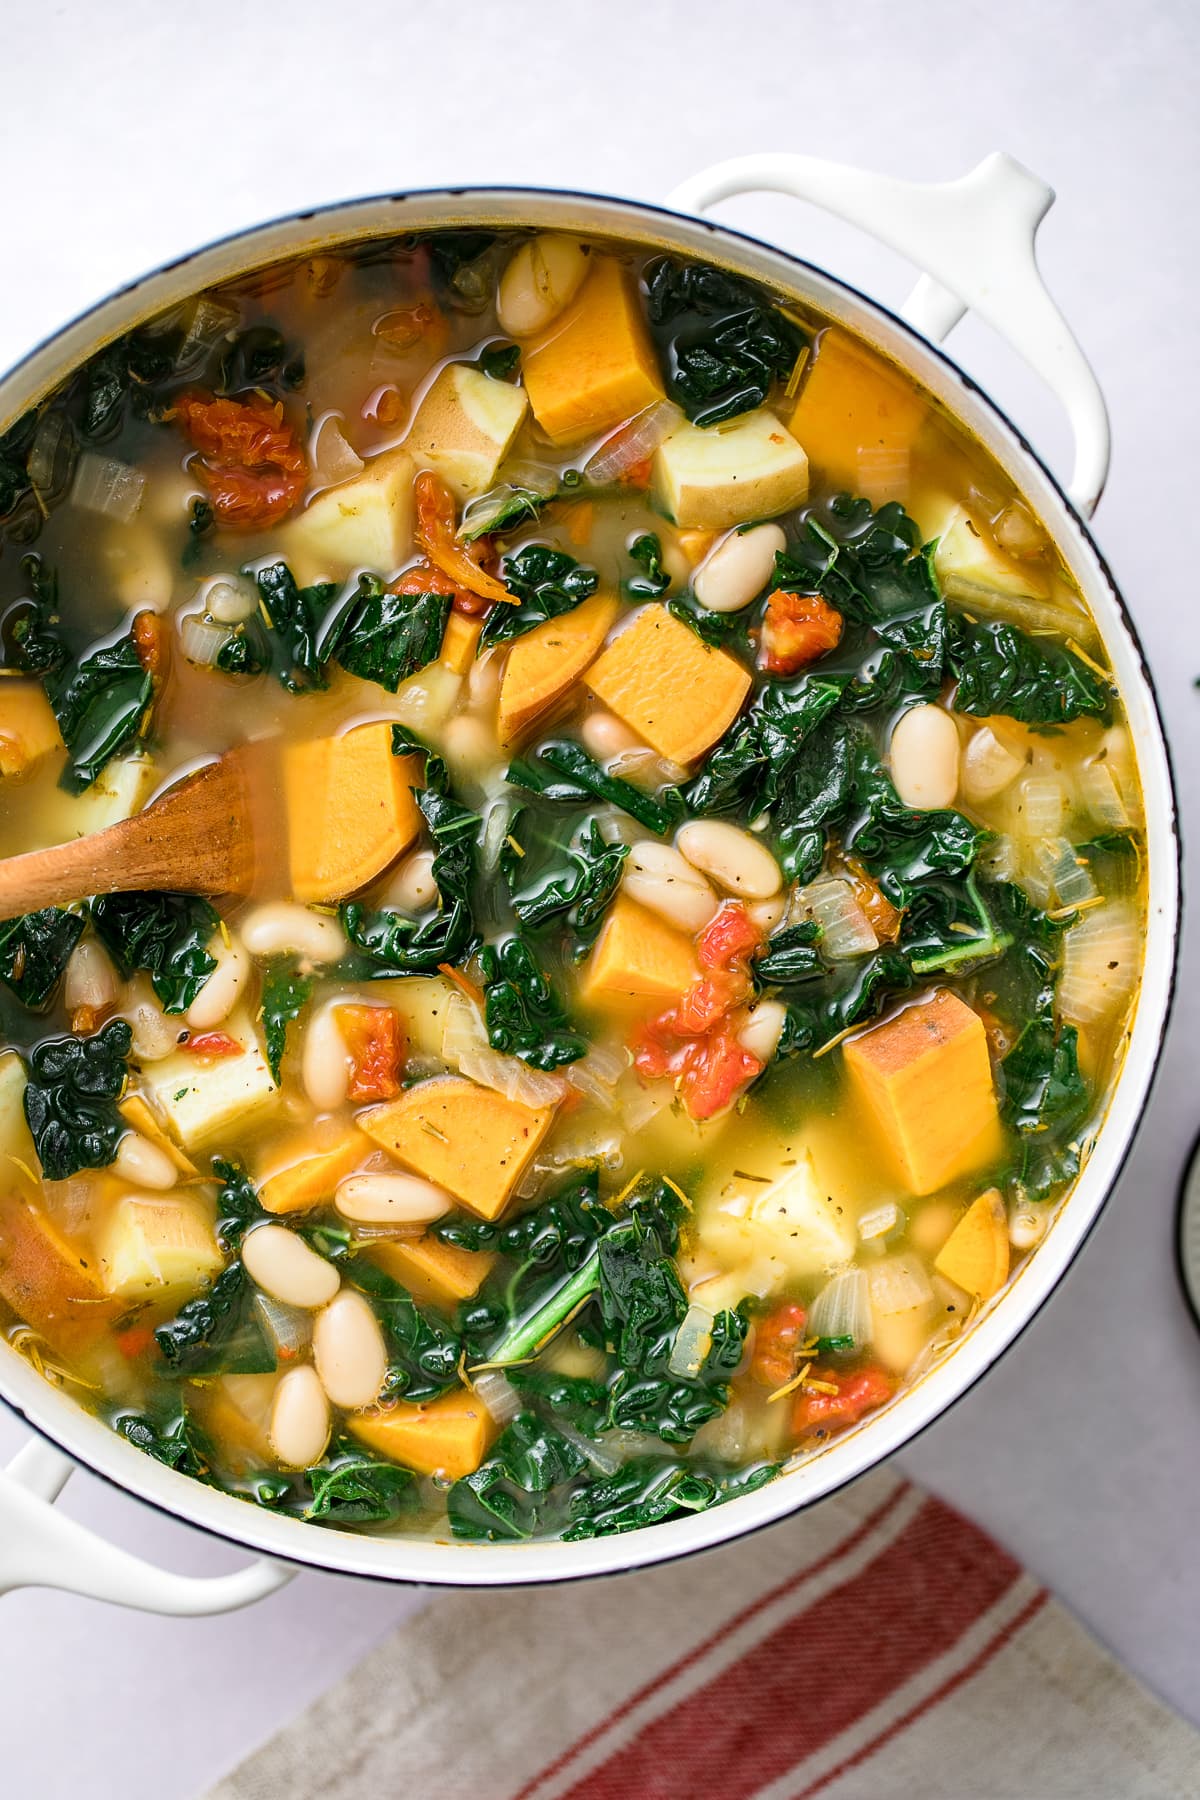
[47, 1281]
[812, 1231]
[460, 642]
[545, 662]
[975, 1255]
[28, 727]
[365, 523]
[350, 810]
[637, 955]
[449, 1436]
[156, 1244]
[434, 1273]
[466, 1138]
[715, 476]
[16, 1142]
[202, 1100]
[926, 1080]
[235, 1411]
[465, 426]
[594, 366]
[423, 1003]
[669, 686]
[303, 1170]
[857, 417]
[120, 790]
[968, 559]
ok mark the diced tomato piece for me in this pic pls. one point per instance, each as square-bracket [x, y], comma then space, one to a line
[718, 1068]
[731, 936]
[212, 1045]
[374, 1037]
[856, 1394]
[693, 1041]
[637, 474]
[135, 1342]
[251, 460]
[797, 629]
[776, 1338]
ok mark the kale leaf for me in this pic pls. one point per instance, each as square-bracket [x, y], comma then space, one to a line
[100, 701]
[504, 1497]
[171, 1437]
[258, 357]
[653, 580]
[564, 771]
[578, 878]
[218, 1332]
[649, 1489]
[524, 1015]
[500, 360]
[350, 1488]
[385, 637]
[36, 635]
[293, 618]
[578, 1401]
[285, 994]
[34, 951]
[238, 1204]
[70, 1100]
[721, 340]
[546, 582]
[166, 934]
[1001, 670]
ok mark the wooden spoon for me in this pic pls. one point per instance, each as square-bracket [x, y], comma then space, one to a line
[198, 838]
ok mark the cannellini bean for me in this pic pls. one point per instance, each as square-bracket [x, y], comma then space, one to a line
[221, 992]
[285, 1267]
[604, 736]
[759, 1035]
[540, 278]
[664, 881]
[1026, 1227]
[298, 1430]
[349, 1351]
[738, 569]
[390, 1200]
[144, 1164]
[325, 1062]
[924, 758]
[155, 1036]
[483, 682]
[988, 766]
[412, 887]
[90, 978]
[468, 746]
[230, 599]
[736, 861]
[283, 925]
[767, 915]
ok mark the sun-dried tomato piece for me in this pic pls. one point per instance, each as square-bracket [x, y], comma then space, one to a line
[374, 1037]
[435, 537]
[251, 460]
[797, 629]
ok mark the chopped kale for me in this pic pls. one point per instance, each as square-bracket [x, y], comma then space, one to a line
[546, 582]
[385, 637]
[34, 951]
[165, 934]
[285, 994]
[71, 1099]
[721, 340]
[524, 1015]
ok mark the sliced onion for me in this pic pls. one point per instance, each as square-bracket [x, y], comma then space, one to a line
[988, 766]
[578, 1145]
[1016, 531]
[208, 323]
[843, 1307]
[465, 1043]
[288, 1327]
[1101, 955]
[495, 830]
[517, 497]
[897, 1284]
[693, 1341]
[596, 1075]
[202, 639]
[1054, 875]
[845, 928]
[104, 485]
[1102, 797]
[879, 1221]
[498, 1394]
[330, 456]
[633, 443]
[49, 459]
[1043, 805]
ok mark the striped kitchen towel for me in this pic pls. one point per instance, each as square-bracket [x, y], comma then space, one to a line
[877, 1647]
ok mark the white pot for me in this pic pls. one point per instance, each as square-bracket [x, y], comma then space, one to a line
[974, 237]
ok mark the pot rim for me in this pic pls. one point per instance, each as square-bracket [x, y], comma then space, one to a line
[56, 1417]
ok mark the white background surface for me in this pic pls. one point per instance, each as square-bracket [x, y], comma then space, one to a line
[131, 130]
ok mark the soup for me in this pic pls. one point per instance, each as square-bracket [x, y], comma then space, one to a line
[697, 899]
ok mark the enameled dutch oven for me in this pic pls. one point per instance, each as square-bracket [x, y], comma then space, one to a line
[975, 240]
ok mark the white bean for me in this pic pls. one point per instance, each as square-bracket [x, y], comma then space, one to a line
[230, 599]
[1026, 1227]
[390, 1200]
[412, 888]
[664, 881]
[737, 570]
[90, 978]
[736, 861]
[483, 682]
[221, 992]
[283, 925]
[299, 1425]
[760, 1034]
[540, 278]
[325, 1062]
[988, 766]
[924, 758]
[144, 1164]
[349, 1351]
[767, 915]
[605, 736]
[155, 1036]
[468, 746]
[285, 1267]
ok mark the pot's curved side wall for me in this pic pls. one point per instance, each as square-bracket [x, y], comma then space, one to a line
[51, 1412]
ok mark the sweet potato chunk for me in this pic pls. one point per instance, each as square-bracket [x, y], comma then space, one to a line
[350, 810]
[595, 365]
[450, 1436]
[460, 641]
[668, 686]
[926, 1080]
[303, 1170]
[975, 1255]
[543, 664]
[28, 727]
[433, 1272]
[464, 427]
[48, 1282]
[856, 417]
[464, 1137]
[637, 955]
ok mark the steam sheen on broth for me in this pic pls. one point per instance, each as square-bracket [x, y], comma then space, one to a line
[699, 907]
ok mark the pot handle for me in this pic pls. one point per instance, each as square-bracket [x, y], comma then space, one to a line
[974, 238]
[41, 1548]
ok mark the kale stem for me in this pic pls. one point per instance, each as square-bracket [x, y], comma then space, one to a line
[525, 1338]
